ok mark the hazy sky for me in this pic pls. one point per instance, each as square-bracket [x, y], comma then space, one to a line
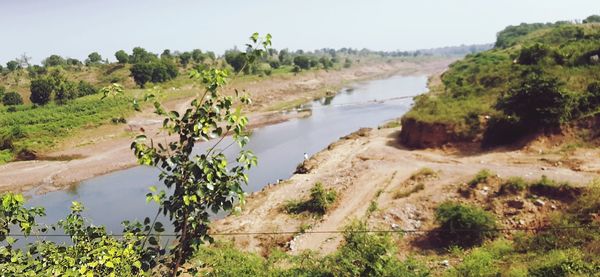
[74, 28]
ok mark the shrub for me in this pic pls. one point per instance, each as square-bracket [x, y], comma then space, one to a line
[402, 194]
[423, 173]
[320, 201]
[122, 57]
[533, 54]
[84, 88]
[347, 63]
[481, 177]
[538, 101]
[367, 254]
[551, 189]
[464, 225]
[12, 99]
[560, 263]
[513, 185]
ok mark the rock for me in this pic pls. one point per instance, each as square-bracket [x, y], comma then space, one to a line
[445, 263]
[517, 204]
[521, 222]
[395, 226]
[539, 203]
[553, 207]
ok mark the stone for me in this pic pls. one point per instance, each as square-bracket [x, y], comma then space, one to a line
[445, 263]
[539, 203]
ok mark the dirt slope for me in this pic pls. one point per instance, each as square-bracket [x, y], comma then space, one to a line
[372, 167]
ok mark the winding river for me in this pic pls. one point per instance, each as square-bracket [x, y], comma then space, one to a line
[114, 197]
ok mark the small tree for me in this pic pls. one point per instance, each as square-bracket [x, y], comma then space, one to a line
[93, 58]
[184, 58]
[533, 54]
[302, 61]
[54, 60]
[236, 59]
[65, 91]
[12, 99]
[122, 57]
[12, 65]
[142, 73]
[592, 19]
[41, 91]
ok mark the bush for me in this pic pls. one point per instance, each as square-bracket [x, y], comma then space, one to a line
[481, 177]
[236, 59]
[12, 99]
[347, 63]
[483, 261]
[84, 88]
[319, 203]
[464, 225]
[538, 101]
[560, 263]
[513, 185]
[533, 54]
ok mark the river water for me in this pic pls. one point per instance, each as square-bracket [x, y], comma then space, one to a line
[112, 198]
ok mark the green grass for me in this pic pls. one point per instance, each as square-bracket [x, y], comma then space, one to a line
[41, 128]
[482, 176]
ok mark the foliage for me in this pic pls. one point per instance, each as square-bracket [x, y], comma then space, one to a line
[41, 91]
[12, 65]
[533, 54]
[84, 88]
[156, 71]
[12, 98]
[512, 185]
[560, 263]
[303, 62]
[319, 202]
[197, 184]
[538, 101]
[405, 193]
[93, 58]
[592, 19]
[481, 177]
[92, 251]
[236, 59]
[54, 60]
[464, 225]
[122, 57]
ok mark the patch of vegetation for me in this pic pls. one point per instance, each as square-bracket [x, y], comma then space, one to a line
[537, 78]
[405, 193]
[423, 173]
[464, 225]
[482, 176]
[319, 202]
[483, 261]
[361, 254]
[512, 186]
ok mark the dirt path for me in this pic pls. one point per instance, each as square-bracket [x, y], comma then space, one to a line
[105, 149]
[370, 168]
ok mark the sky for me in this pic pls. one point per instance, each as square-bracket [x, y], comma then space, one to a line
[75, 28]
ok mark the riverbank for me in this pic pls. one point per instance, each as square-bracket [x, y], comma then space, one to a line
[105, 149]
[368, 170]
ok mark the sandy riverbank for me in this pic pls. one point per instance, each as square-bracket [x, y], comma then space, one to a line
[106, 149]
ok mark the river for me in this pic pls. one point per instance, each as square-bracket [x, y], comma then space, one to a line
[112, 198]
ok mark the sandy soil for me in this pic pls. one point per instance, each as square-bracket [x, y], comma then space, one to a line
[370, 167]
[105, 149]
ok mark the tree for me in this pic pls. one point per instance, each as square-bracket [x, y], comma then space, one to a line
[464, 225]
[302, 61]
[592, 19]
[184, 58]
[12, 99]
[54, 60]
[84, 88]
[12, 65]
[122, 57]
[236, 59]
[140, 55]
[74, 62]
[538, 101]
[166, 54]
[93, 58]
[198, 56]
[41, 91]
[142, 73]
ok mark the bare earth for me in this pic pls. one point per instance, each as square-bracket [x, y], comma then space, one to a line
[105, 149]
[370, 166]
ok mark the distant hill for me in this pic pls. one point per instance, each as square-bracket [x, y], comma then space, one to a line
[537, 78]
